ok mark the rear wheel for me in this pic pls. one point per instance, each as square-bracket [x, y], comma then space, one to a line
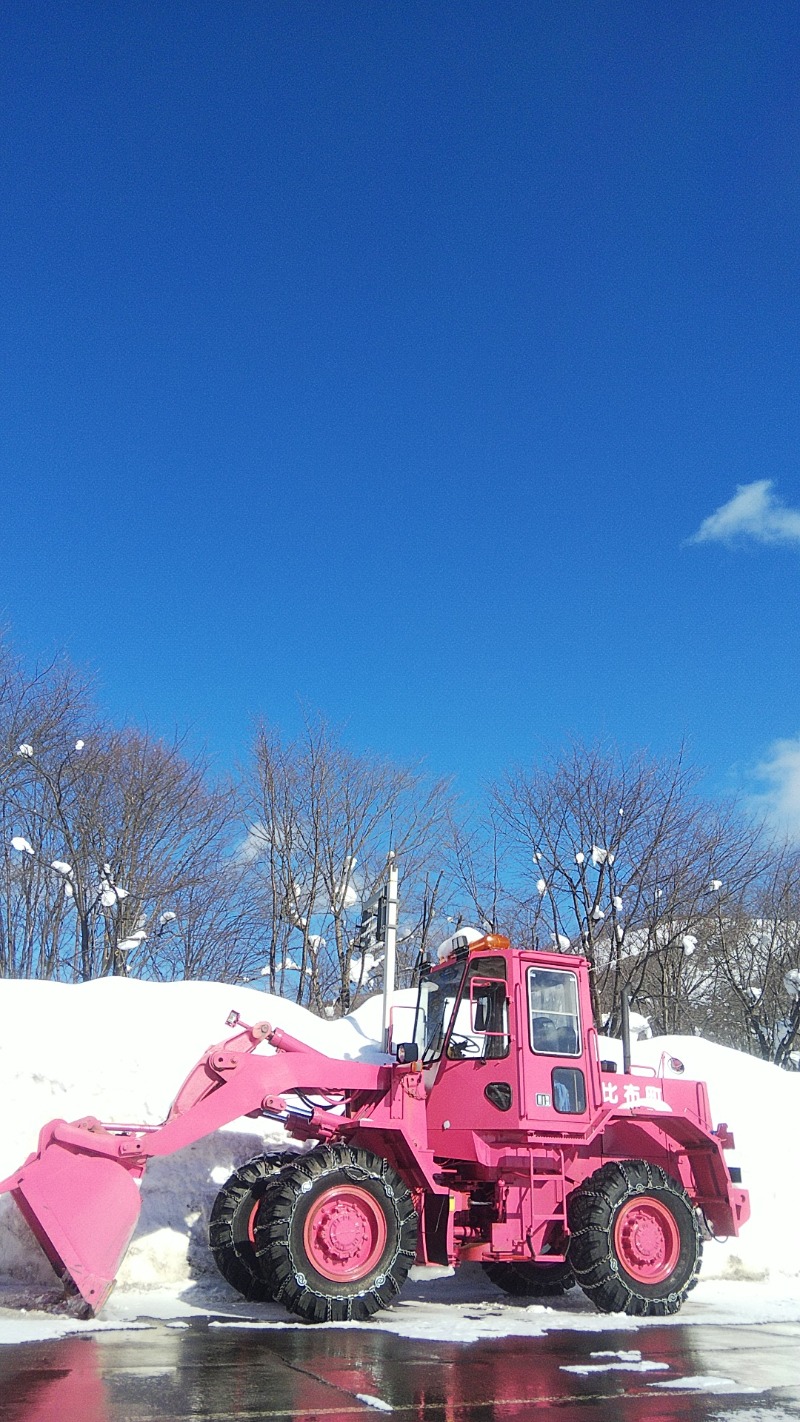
[636, 1245]
[232, 1224]
[527, 1279]
[339, 1235]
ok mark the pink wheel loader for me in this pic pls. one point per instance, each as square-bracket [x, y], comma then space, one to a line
[497, 1135]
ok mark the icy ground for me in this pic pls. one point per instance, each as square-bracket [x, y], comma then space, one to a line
[119, 1049]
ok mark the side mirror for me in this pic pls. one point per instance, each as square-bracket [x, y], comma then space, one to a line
[406, 1053]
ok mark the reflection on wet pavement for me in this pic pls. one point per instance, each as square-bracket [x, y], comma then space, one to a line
[219, 1373]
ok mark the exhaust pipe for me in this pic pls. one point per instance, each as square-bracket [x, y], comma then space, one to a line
[625, 1000]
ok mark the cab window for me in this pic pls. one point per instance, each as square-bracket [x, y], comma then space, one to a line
[465, 1006]
[480, 1024]
[437, 998]
[569, 1090]
[553, 1008]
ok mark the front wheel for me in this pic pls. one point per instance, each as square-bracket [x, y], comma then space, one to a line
[636, 1245]
[339, 1235]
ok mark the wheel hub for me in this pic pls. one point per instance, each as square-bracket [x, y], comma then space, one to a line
[644, 1240]
[345, 1234]
[647, 1240]
[341, 1231]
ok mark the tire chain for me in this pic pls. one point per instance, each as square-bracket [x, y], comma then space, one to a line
[274, 1247]
[631, 1301]
[256, 1178]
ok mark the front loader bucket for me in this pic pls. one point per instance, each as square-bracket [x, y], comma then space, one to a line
[83, 1209]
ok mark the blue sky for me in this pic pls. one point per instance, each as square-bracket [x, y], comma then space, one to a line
[388, 357]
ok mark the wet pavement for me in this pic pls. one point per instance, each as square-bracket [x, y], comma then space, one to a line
[213, 1370]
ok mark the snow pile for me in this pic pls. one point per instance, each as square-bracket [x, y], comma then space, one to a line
[119, 1049]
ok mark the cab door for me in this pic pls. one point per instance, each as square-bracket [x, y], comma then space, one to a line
[471, 1085]
[555, 1084]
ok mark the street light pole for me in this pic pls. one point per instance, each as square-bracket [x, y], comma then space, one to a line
[390, 946]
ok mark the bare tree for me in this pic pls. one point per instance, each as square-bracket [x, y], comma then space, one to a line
[619, 858]
[324, 819]
[35, 708]
[754, 945]
[112, 828]
[118, 854]
[481, 876]
[210, 931]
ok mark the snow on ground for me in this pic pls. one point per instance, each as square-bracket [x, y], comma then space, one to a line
[461, 1308]
[119, 1049]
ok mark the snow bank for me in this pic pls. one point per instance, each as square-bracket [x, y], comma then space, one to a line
[119, 1049]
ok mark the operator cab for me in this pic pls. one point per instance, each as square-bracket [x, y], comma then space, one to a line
[469, 1007]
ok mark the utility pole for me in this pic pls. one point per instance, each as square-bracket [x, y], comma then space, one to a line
[390, 945]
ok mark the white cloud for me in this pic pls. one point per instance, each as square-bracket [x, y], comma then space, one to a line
[780, 772]
[753, 512]
[255, 843]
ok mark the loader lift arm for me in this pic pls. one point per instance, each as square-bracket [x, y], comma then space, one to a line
[79, 1191]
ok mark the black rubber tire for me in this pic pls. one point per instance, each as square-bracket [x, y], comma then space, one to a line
[527, 1279]
[281, 1249]
[229, 1224]
[594, 1258]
